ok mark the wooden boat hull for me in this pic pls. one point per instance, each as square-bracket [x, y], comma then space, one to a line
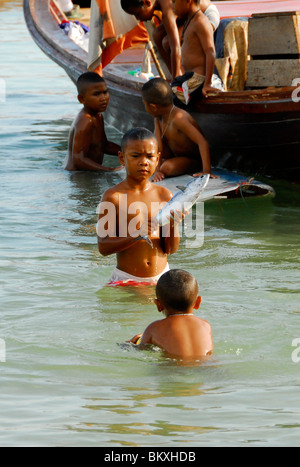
[261, 137]
[250, 131]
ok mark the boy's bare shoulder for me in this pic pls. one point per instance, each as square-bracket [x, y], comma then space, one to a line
[181, 115]
[203, 323]
[151, 330]
[164, 193]
[180, 112]
[183, 119]
[85, 119]
[201, 21]
[112, 194]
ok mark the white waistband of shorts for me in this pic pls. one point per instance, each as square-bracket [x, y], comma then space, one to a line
[122, 276]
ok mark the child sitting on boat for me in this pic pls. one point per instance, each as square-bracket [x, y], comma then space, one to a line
[198, 53]
[87, 140]
[127, 211]
[180, 334]
[167, 35]
[180, 139]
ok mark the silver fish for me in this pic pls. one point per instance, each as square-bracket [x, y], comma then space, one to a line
[182, 200]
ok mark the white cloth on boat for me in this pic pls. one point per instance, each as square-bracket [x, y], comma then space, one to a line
[65, 5]
[213, 15]
[122, 22]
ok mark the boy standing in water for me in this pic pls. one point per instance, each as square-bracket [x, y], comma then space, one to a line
[87, 140]
[180, 139]
[180, 334]
[167, 35]
[127, 211]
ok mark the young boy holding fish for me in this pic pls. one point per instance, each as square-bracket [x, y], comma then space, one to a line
[180, 140]
[87, 140]
[127, 225]
[180, 334]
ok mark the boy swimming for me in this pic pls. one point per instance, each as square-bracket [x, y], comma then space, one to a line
[87, 140]
[127, 211]
[180, 139]
[180, 334]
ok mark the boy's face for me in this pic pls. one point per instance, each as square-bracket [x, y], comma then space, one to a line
[140, 158]
[96, 97]
[144, 12]
[181, 8]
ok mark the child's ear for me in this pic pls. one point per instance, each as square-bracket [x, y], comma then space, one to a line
[153, 107]
[121, 158]
[159, 305]
[80, 98]
[198, 303]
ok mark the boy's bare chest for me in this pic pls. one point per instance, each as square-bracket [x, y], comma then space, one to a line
[177, 141]
[98, 134]
[138, 207]
[191, 42]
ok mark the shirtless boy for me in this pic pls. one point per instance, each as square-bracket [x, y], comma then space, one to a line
[198, 51]
[167, 35]
[180, 334]
[127, 211]
[87, 140]
[180, 139]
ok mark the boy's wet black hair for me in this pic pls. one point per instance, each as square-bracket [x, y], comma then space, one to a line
[177, 290]
[158, 91]
[128, 4]
[136, 134]
[86, 79]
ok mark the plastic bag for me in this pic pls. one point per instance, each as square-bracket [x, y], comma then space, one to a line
[77, 32]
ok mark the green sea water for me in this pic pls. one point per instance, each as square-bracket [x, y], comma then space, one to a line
[66, 380]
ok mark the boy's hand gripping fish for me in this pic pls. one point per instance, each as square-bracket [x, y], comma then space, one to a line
[182, 201]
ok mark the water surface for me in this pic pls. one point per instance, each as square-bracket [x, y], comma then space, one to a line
[66, 380]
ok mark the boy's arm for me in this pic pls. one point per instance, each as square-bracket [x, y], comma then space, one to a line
[110, 148]
[147, 335]
[109, 242]
[172, 235]
[204, 33]
[170, 24]
[145, 338]
[81, 145]
[195, 135]
[158, 134]
[158, 176]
